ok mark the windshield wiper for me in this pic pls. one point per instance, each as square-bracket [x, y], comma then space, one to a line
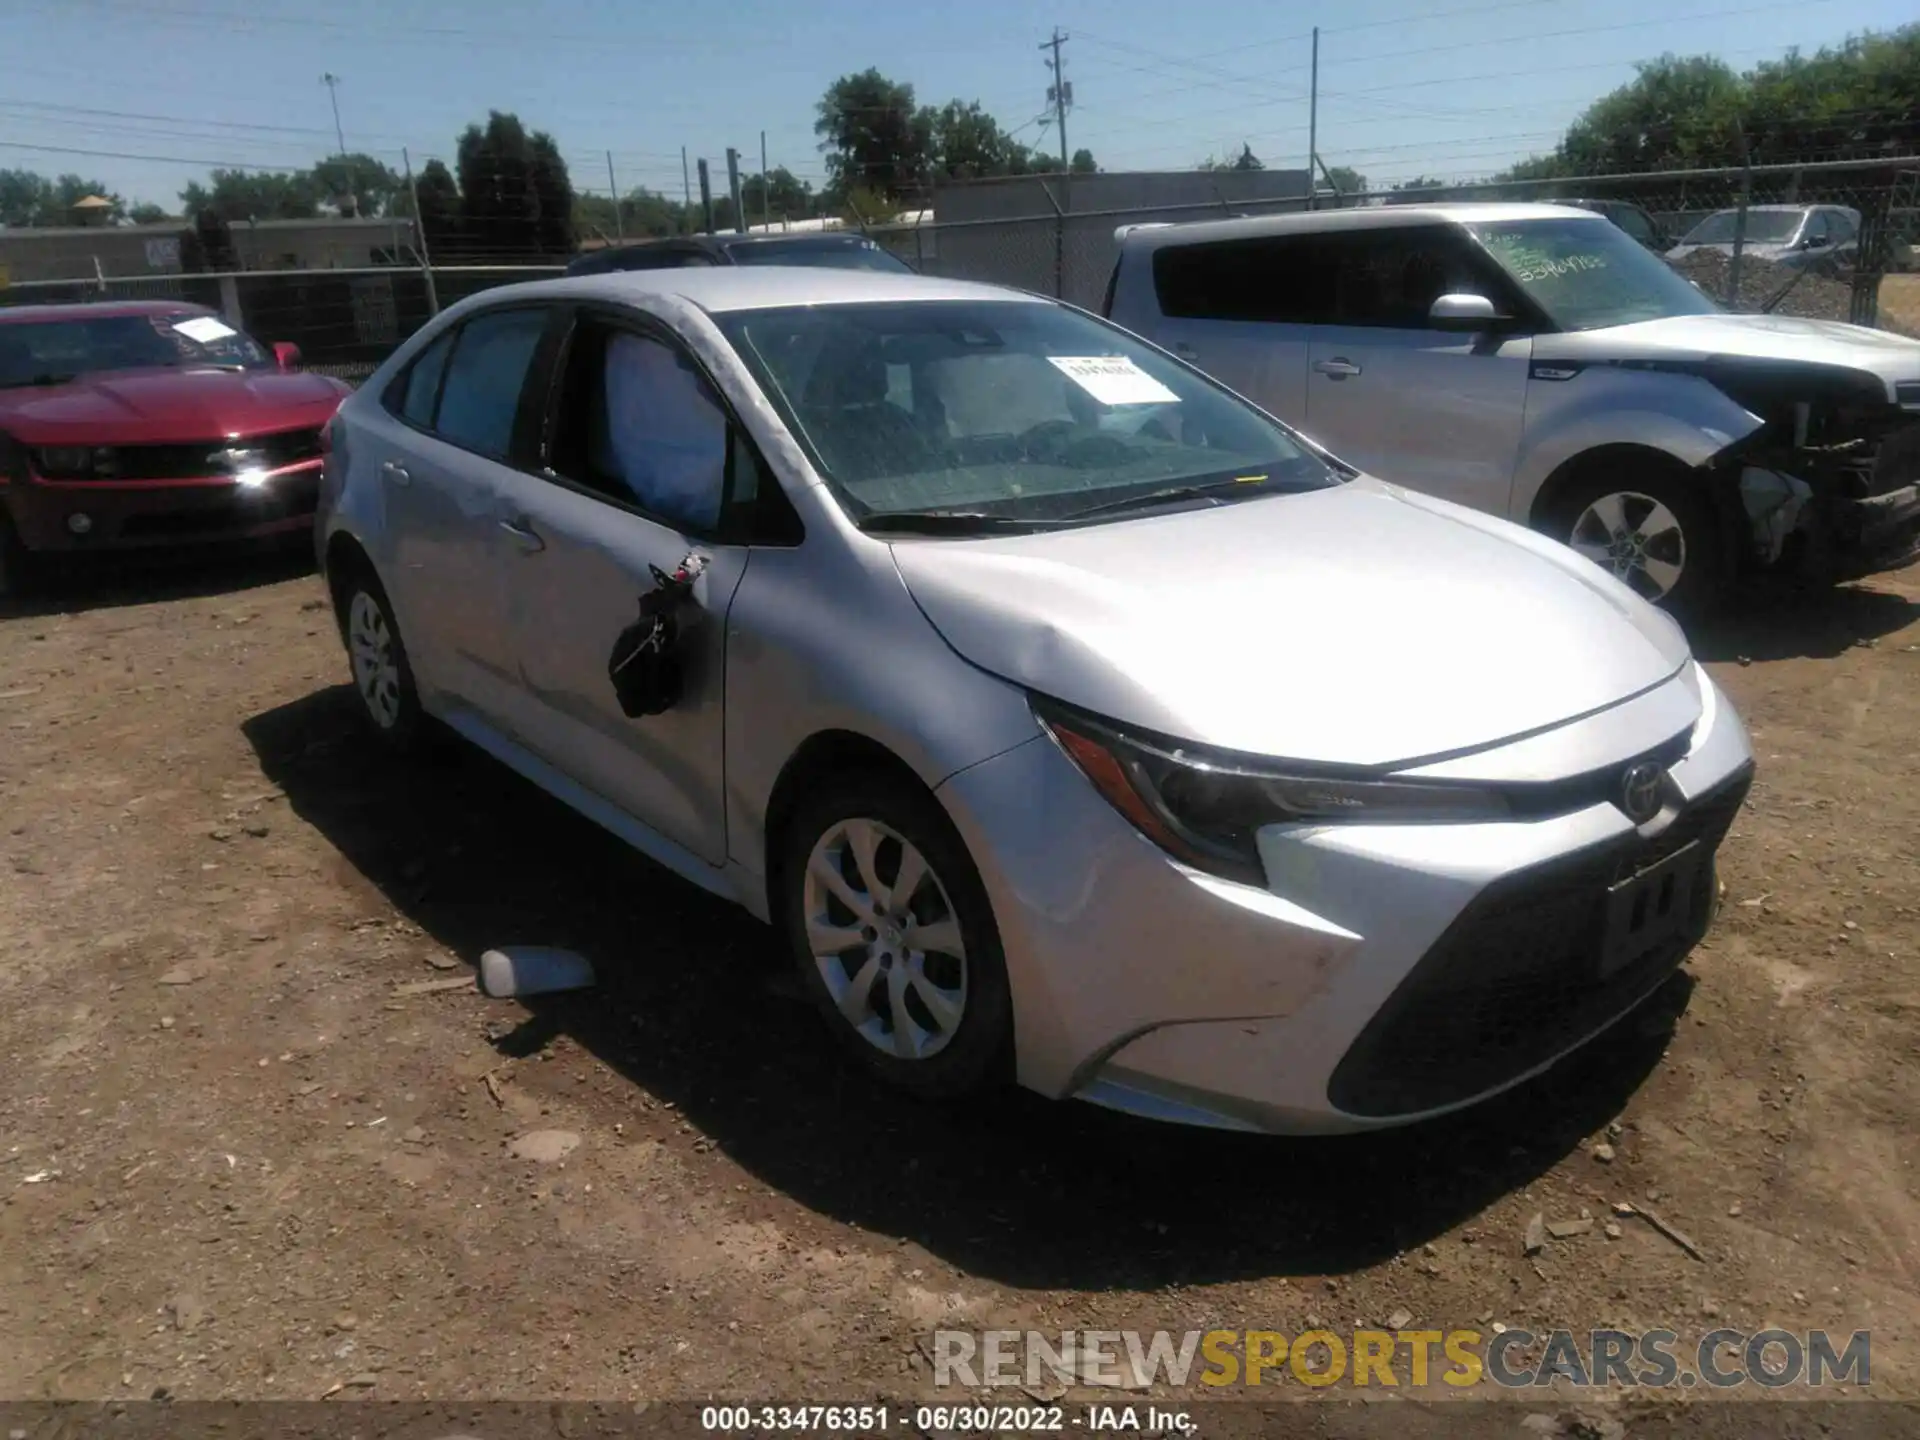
[947, 522]
[1206, 490]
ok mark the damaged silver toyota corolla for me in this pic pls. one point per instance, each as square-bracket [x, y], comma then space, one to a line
[1534, 362]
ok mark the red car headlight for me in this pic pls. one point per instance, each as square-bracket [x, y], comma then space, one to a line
[76, 462]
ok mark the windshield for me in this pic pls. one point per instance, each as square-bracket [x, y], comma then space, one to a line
[1587, 274]
[821, 254]
[1020, 411]
[1764, 227]
[42, 352]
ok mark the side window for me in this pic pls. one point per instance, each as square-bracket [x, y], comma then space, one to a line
[1390, 278]
[1278, 279]
[1841, 227]
[1635, 224]
[481, 395]
[416, 390]
[1815, 232]
[640, 424]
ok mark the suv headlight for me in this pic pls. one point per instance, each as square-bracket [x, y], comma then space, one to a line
[1205, 808]
[76, 462]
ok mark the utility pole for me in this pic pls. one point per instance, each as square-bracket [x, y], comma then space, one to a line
[613, 189]
[766, 190]
[733, 189]
[332, 82]
[420, 238]
[1313, 124]
[706, 195]
[686, 190]
[1060, 93]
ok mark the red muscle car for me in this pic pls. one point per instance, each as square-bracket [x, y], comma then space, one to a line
[150, 424]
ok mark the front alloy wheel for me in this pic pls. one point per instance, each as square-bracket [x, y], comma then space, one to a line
[1636, 537]
[893, 935]
[885, 939]
[376, 670]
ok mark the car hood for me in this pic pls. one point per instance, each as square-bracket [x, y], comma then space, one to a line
[170, 406]
[1893, 358]
[1359, 625]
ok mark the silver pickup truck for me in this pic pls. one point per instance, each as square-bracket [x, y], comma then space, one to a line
[1534, 362]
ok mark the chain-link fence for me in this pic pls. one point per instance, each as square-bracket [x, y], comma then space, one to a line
[1830, 241]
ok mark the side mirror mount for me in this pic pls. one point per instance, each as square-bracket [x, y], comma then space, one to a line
[286, 355]
[1464, 312]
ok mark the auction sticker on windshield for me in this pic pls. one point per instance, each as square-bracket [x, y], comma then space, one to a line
[1113, 380]
[205, 329]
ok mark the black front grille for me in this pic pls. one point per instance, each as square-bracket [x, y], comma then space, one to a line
[288, 498]
[1516, 978]
[198, 460]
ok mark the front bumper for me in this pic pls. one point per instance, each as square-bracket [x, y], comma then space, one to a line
[1879, 532]
[1387, 973]
[150, 514]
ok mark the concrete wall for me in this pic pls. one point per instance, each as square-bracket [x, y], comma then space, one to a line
[1006, 231]
[128, 250]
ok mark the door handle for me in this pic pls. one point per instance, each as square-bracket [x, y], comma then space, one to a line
[1336, 368]
[524, 535]
[396, 472]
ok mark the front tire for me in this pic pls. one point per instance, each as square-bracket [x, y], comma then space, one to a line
[894, 938]
[382, 676]
[1652, 528]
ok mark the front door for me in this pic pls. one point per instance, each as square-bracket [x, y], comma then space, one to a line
[637, 478]
[1435, 410]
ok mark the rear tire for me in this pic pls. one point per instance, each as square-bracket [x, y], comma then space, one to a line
[19, 571]
[1651, 525]
[382, 676]
[912, 983]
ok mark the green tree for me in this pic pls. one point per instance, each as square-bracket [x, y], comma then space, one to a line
[241, 195]
[553, 191]
[147, 213]
[499, 201]
[1346, 179]
[31, 199]
[439, 217]
[357, 184]
[1083, 163]
[966, 143]
[785, 196]
[873, 137]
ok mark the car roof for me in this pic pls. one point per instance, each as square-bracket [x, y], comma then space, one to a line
[1383, 217]
[101, 310]
[724, 289]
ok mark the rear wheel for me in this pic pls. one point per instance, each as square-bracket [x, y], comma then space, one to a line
[894, 939]
[382, 678]
[1650, 526]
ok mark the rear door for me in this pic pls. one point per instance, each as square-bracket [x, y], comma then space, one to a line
[447, 443]
[1434, 410]
[645, 468]
[1241, 310]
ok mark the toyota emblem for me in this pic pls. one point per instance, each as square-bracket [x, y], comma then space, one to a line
[1640, 792]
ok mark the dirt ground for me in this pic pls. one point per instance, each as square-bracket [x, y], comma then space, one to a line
[246, 1152]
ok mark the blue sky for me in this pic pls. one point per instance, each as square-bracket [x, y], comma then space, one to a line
[160, 89]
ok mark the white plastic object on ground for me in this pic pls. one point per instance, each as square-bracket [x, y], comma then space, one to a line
[533, 970]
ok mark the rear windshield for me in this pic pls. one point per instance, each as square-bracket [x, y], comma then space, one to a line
[821, 254]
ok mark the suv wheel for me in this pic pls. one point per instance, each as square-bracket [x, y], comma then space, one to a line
[894, 939]
[1653, 532]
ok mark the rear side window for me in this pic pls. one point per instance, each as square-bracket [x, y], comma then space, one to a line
[421, 389]
[481, 393]
[1634, 223]
[1271, 278]
[1840, 226]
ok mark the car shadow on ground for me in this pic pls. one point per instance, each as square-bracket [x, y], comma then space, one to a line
[693, 1007]
[1785, 623]
[104, 582]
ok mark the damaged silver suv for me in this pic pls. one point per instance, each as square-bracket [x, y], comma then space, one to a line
[1534, 362]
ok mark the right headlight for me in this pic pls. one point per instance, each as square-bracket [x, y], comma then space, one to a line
[1206, 808]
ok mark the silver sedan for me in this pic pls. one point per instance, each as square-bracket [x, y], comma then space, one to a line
[1073, 721]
